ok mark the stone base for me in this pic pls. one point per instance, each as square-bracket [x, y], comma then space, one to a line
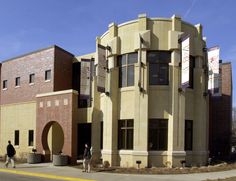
[60, 160]
[34, 158]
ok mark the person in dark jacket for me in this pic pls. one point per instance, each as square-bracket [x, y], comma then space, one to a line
[87, 158]
[10, 155]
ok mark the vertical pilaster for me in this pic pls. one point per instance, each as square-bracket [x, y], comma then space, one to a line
[177, 114]
[110, 117]
[141, 104]
[200, 122]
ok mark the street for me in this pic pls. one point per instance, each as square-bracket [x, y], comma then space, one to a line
[15, 177]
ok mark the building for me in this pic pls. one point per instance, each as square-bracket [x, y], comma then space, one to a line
[51, 99]
[220, 116]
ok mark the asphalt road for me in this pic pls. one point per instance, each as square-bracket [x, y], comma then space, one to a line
[15, 177]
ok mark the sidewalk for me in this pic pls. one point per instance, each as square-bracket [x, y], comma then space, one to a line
[47, 170]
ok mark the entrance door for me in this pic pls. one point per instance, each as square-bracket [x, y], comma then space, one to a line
[83, 136]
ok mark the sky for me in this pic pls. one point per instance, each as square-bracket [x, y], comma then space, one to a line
[29, 25]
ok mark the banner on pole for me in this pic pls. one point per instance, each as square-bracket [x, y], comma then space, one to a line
[185, 62]
[86, 72]
[101, 68]
[213, 70]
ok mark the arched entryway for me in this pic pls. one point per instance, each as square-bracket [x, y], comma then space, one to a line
[52, 138]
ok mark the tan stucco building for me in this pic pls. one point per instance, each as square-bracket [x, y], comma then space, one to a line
[144, 114]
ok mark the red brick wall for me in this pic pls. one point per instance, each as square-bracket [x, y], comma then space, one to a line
[22, 67]
[53, 58]
[220, 116]
[62, 70]
[63, 115]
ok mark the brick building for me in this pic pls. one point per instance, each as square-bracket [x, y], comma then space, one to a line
[51, 101]
[220, 116]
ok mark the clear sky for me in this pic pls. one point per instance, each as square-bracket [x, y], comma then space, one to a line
[28, 25]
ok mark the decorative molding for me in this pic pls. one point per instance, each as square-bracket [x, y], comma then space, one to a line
[57, 93]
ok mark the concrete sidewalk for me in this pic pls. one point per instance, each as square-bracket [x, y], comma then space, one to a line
[47, 170]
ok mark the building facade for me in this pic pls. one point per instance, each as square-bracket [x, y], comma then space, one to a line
[143, 115]
[220, 114]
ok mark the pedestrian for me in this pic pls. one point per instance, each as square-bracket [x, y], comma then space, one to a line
[87, 158]
[10, 154]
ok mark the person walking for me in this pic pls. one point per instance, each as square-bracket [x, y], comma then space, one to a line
[87, 158]
[10, 155]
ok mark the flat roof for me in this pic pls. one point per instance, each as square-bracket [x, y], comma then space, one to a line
[36, 51]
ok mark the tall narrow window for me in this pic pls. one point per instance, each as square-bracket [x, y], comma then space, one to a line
[31, 138]
[191, 71]
[17, 83]
[126, 69]
[159, 67]
[31, 78]
[125, 134]
[101, 135]
[17, 137]
[48, 75]
[188, 135]
[4, 84]
[157, 134]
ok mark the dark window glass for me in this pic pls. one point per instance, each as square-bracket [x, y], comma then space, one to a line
[126, 69]
[48, 75]
[31, 138]
[130, 75]
[159, 67]
[125, 134]
[122, 76]
[4, 84]
[31, 78]
[83, 103]
[191, 71]
[17, 137]
[132, 58]
[188, 144]
[157, 134]
[17, 83]
[101, 136]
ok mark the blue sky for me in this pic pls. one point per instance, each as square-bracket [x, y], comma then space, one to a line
[28, 25]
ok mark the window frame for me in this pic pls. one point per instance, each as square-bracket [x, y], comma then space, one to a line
[31, 137]
[191, 71]
[4, 84]
[48, 78]
[31, 78]
[126, 64]
[186, 131]
[160, 61]
[126, 129]
[157, 130]
[17, 138]
[17, 82]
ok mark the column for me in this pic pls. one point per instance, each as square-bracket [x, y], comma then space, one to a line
[141, 104]
[110, 122]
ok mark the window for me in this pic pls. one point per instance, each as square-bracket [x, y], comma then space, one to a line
[31, 138]
[157, 134]
[48, 75]
[188, 143]
[159, 67]
[125, 134]
[17, 81]
[101, 135]
[31, 78]
[191, 71]
[4, 84]
[126, 69]
[17, 137]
